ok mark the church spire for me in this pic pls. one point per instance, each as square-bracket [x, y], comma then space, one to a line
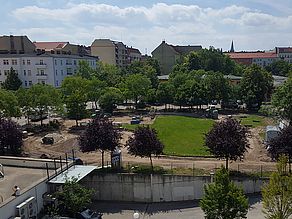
[232, 47]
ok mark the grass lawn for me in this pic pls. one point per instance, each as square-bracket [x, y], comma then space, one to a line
[253, 121]
[182, 135]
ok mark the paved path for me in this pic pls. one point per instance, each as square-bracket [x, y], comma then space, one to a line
[172, 210]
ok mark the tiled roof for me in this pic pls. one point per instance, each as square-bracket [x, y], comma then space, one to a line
[133, 50]
[252, 55]
[50, 45]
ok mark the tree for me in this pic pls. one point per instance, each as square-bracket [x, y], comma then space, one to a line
[24, 102]
[75, 92]
[277, 194]
[282, 145]
[145, 143]
[223, 199]
[100, 134]
[110, 98]
[282, 100]
[12, 81]
[8, 104]
[95, 90]
[74, 197]
[280, 67]
[10, 137]
[136, 87]
[256, 85]
[165, 93]
[110, 74]
[84, 70]
[227, 140]
[44, 98]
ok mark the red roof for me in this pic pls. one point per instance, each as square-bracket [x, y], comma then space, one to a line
[50, 45]
[252, 55]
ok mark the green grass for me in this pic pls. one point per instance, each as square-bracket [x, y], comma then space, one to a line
[181, 135]
[253, 121]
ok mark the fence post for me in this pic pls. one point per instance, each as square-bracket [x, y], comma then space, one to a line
[171, 169]
[237, 167]
[261, 170]
[48, 175]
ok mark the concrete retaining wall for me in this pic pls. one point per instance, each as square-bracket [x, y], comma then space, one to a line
[155, 188]
[29, 162]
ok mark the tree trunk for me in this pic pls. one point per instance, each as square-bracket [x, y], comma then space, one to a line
[95, 103]
[226, 165]
[76, 120]
[151, 163]
[165, 107]
[102, 159]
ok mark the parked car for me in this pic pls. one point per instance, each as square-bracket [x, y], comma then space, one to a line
[89, 214]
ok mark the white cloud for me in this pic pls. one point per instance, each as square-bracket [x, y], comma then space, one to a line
[145, 27]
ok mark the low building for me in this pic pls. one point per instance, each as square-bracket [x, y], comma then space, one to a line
[134, 55]
[16, 45]
[260, 58]
[168, 55]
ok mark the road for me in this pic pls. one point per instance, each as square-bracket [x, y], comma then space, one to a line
[172, 210]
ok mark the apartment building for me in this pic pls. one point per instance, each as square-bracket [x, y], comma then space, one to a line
[35, 65]
[114, 52]
[284, 53]
[168, 55]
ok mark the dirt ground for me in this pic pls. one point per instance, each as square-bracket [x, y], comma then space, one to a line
[256, 159]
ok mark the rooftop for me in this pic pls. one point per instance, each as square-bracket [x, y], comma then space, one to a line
[48, 46]
[20, 176]
[252, 55]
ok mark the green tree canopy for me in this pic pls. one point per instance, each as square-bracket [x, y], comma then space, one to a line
[282, 100]
[256, 85]
[84, 70]
[75, 93]
[74, 197]
[281, 68]
[165, 93]
[136, 87]
[223, 199]
[12, 81]
[44, 98]
[8, 104]
[277, 194]
[109, 99]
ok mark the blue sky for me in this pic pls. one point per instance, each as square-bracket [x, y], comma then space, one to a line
[252, 24]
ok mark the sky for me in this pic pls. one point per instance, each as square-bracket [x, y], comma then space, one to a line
[143, 24]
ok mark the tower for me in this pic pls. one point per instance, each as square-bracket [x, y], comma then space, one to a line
[232, 47]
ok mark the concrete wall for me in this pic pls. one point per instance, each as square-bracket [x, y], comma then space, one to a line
[8, 207]
[155, 188]
[29, 162]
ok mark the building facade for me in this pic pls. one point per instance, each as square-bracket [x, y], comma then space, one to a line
[34, 65]
[114, 52]
[64, 48]
[168, 55]
[284, 53]
[248, 58]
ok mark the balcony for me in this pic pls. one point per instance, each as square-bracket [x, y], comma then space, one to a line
[41, 65]
[42, 76]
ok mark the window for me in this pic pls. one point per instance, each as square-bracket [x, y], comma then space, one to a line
[61, 72]
[57, 83]
[41, 62]
[30, 83]
[6, 72]
[25, 83]
[61, 62]
[5, 62]
[75, 71]
[28, 62]
[23, 62]
[75, 62]
[42, 72]
[29, 72]
[14, 61]
[56, 72]
[24, 72]
[69, 71]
